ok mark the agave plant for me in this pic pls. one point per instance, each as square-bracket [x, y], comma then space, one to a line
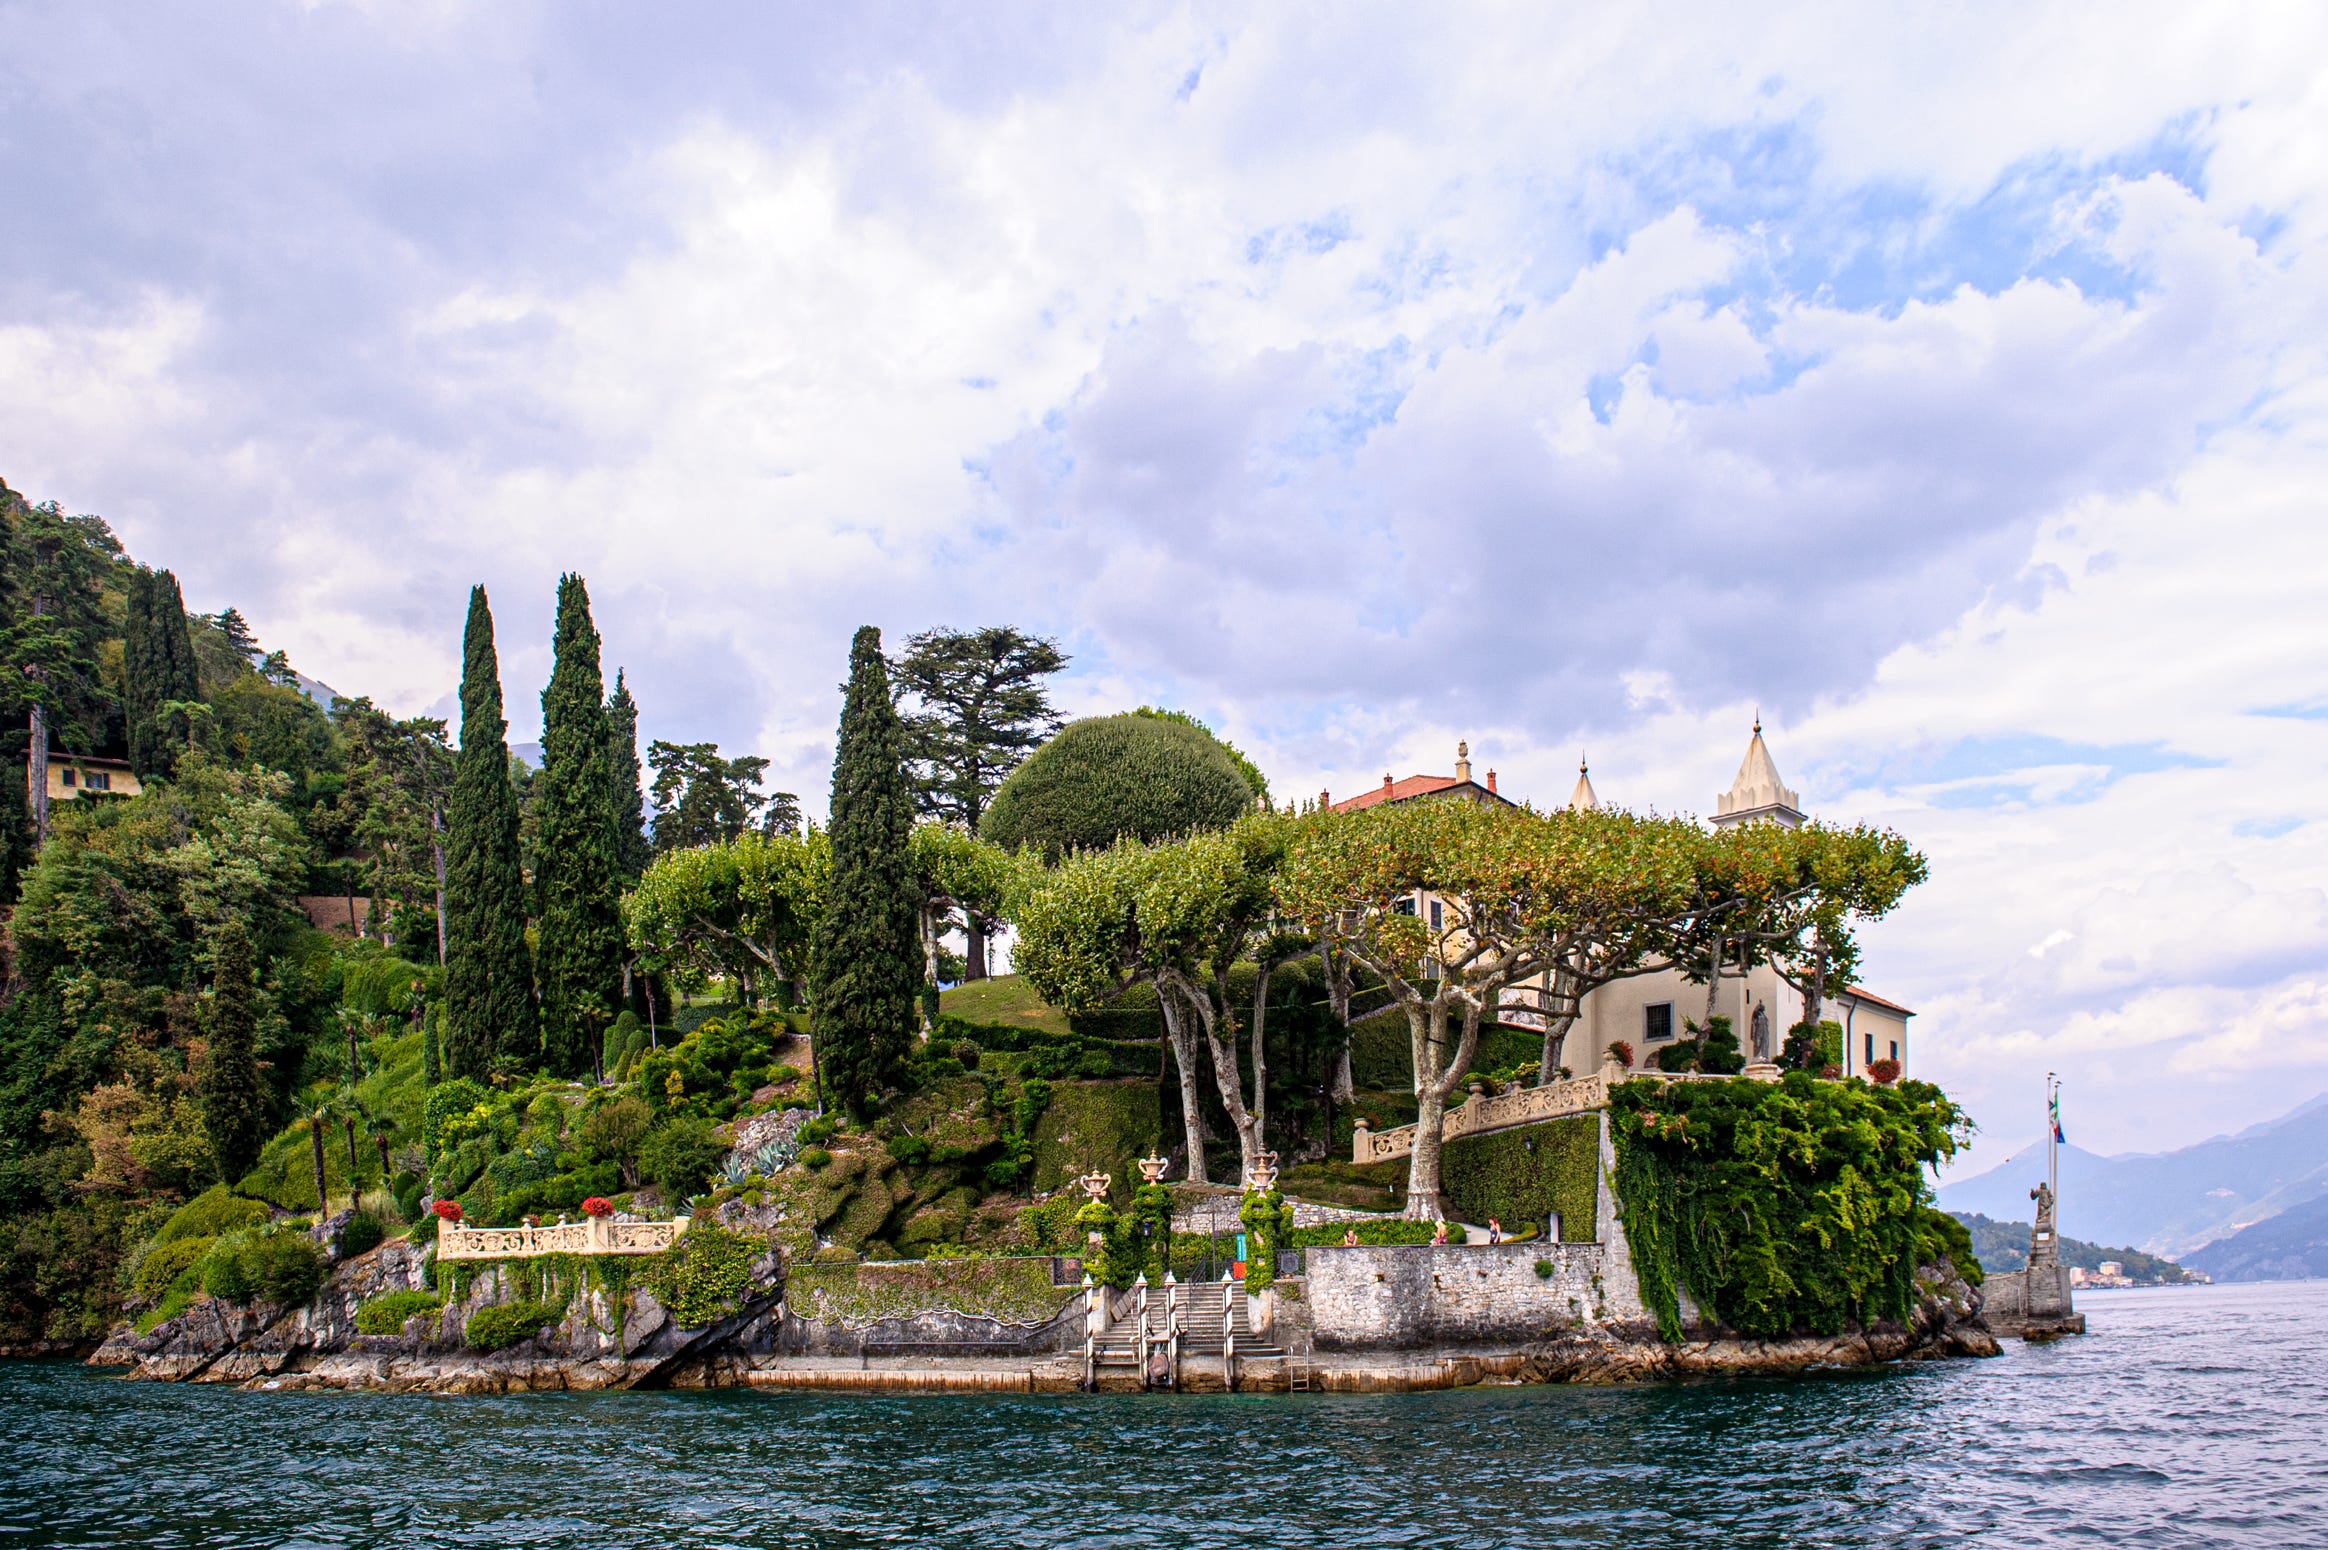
[773, 1157]
[735, 1170]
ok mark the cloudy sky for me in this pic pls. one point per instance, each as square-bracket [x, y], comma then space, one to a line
[1564, 378]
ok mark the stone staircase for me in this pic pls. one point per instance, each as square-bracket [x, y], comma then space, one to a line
[1217, 1346]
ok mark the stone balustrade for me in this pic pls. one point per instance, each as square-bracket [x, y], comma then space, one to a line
[1526, 1106]
[1521, 1106]
[591, 1235]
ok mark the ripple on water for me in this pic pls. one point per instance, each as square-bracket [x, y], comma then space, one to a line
[2189, 1417]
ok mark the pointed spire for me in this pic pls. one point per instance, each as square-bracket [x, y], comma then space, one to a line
[1758, 792]
[1583, 799]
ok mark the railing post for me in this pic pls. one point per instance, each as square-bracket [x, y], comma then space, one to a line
[1359, 1139]
[1229, 1332]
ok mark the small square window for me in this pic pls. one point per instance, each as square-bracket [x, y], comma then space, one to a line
[99, 780]
[1657, 1021]
[68, 775]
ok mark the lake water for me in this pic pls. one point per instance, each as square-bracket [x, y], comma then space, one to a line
[2187, 1417]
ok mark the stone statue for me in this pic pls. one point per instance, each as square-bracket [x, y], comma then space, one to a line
[2044, 1248]
[1761, 1027]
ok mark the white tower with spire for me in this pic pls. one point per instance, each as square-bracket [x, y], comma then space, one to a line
[1583, 799]
[1758, 795]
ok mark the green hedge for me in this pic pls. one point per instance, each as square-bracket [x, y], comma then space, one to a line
[1096, 1125]
[1523, 1175]
[1381, 1055]
[1378, 1234]
[1800, 1206]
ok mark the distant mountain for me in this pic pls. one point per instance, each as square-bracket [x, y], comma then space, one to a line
[2292, 1246]
[2170, 1202]
[2004, 1246]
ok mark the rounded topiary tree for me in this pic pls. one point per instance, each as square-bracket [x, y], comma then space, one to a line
[1107, 777]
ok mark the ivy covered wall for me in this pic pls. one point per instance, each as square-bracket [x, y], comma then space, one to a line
[1795, 1207]
[1522, 1176]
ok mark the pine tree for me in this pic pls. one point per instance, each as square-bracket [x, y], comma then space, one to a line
[489, 1002]
[631, 850]
[234, 1109]
[575, 878]
[868, 949]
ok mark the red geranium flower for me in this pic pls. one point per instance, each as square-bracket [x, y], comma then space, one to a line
[598, 1205]
[450, 1210]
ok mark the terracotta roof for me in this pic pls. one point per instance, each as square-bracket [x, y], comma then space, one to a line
[1872, 999]
[1415, 786]
[335, 912]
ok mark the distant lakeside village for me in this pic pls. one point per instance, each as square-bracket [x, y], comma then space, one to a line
[343, 1051]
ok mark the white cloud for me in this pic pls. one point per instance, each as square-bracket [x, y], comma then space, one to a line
[1948, 387]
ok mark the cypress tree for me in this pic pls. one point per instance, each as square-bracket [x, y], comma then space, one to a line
[15, 803]
[631, 850]
[489, 1002]
[575, 875]
[181, 676]
[143, 662]
[158, 667]
[867, 952]
[234, 1110]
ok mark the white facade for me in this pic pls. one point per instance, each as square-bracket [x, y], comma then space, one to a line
[1655, 1009]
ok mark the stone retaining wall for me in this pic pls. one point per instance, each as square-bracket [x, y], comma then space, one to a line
[1409, 1296]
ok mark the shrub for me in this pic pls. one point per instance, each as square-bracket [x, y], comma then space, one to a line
[1680, 1055]
[448, 1103]
[1884, 1072]
[614, 1130]
[1109, 776]
[681, 1156]
[703, 1277]
[910, 1151]
[277, 1267]
[814, 1157]
[598, 1205]
[497, 1328]
[1543, 1270]
[387, 1313]
[446, 1210]
[164, 1264]
[814, 1131]
[361, 1235]
[1718, 1050]
[1622, 1053]
[212, 1214]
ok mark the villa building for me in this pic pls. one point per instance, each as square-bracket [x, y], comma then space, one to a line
[71, 776]
[1653, 1009]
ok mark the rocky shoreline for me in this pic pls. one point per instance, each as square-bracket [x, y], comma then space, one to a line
[621, 1338]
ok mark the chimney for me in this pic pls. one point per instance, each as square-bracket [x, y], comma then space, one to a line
[1325, 800]
[1491, 780]
[1462, 762]
[1386, 783]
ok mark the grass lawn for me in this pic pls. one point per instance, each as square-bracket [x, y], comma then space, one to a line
[1003, 999]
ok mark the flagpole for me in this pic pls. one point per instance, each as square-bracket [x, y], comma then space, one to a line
[2052, 1130]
